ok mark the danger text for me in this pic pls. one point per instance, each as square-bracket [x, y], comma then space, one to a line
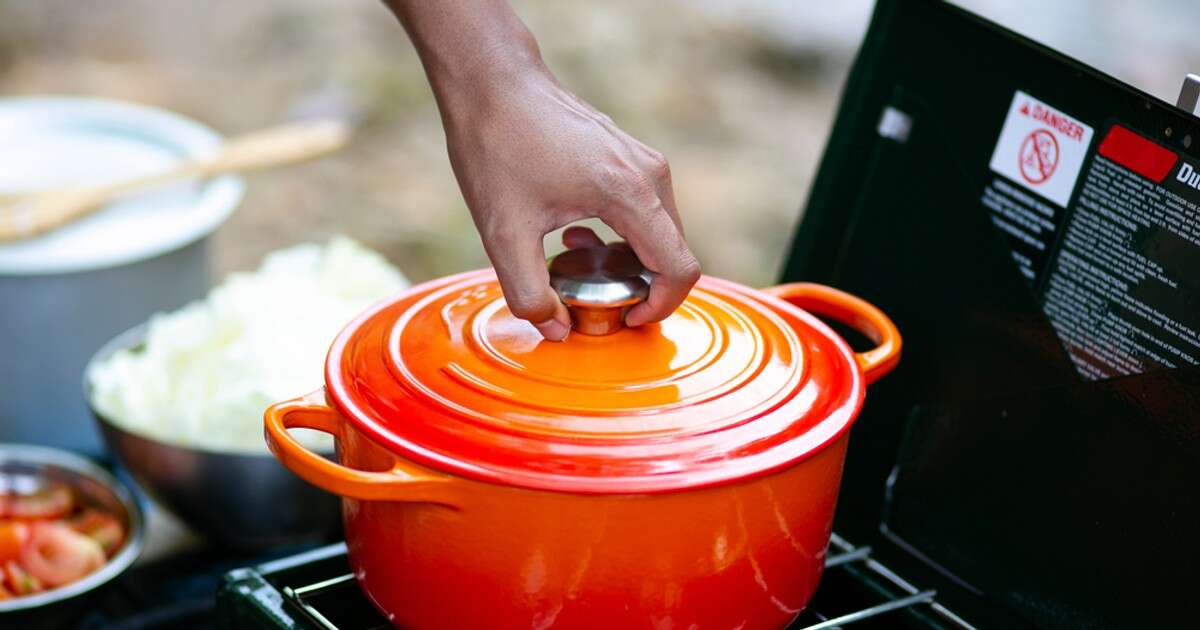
[1062, 124]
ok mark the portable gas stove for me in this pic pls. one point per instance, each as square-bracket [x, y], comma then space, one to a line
[1033, 228]
[317, 591]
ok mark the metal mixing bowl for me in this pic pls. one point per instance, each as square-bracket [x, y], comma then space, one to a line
[27, 468]
[244, 501]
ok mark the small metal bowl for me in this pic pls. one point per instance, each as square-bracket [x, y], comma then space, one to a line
[31, 467]
[243, 501]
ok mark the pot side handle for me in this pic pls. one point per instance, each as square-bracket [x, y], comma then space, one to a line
[403, 482]
[854, 312]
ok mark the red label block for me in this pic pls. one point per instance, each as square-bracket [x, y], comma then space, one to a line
[1138, 154]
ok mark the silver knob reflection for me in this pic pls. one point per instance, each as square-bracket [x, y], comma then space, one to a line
[599, 285]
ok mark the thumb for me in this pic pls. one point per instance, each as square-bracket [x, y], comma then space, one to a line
[520, 262]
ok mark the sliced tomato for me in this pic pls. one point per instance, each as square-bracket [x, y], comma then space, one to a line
[57, 554]
[20, 581]
[12, 538]
[101, 527]
[55, 501]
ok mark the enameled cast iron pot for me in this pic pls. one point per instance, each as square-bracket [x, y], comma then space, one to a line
[676, 475]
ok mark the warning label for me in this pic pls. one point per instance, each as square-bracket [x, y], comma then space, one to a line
[1120, 294]
[1112, 269]
[1041, 148]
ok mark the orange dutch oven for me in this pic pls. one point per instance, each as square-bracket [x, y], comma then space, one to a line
[675, 475]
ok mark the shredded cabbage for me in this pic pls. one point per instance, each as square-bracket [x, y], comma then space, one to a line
[207, 371]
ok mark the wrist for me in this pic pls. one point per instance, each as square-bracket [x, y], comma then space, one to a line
[474, 51]
[491, 77]
[479, 58]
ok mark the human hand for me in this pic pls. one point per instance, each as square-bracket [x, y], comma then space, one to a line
[531, 157]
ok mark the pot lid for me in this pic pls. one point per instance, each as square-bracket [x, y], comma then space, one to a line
[735, 383]
[51, 141]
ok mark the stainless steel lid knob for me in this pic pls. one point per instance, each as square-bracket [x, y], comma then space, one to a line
[599, 285]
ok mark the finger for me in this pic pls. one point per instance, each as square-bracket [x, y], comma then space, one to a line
[658, 171]
[666, 193]
[661, 248]
[578, 236]
[520, 262]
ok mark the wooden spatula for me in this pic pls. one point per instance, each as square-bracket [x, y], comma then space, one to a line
[27, 214]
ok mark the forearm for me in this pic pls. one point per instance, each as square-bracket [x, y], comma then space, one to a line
[466, 45]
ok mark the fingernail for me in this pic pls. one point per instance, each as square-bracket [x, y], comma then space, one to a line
[553, 330]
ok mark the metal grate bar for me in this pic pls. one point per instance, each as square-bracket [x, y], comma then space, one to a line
[297, 595]
[841, 543]
[924, 597]
[320, 586]
[312, 612]
[848, 553]
[949, 615]
[850, 556]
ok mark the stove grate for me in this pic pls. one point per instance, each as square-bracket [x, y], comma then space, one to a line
[323, 600]
[906, 595]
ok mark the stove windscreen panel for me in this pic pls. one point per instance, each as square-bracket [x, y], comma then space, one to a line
[1033, 227]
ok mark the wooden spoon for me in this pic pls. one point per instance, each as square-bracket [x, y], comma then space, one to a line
[27, 214]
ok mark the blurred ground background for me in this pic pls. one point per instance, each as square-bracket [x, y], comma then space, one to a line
[738, 94]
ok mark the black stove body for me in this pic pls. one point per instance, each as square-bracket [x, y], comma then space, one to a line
[1033, 227]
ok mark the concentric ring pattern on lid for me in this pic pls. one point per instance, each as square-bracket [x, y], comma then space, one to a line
[734, 384]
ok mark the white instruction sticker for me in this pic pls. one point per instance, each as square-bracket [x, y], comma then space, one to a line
[1041, 148]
